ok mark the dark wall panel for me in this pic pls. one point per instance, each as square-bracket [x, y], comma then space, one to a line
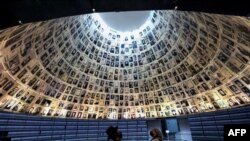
[23, 127]
[210, 126]
[205, 126]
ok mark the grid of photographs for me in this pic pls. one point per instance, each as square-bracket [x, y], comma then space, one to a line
[181, 63]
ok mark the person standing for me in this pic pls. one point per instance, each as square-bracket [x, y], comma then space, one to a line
[156, 134]
[114, 134]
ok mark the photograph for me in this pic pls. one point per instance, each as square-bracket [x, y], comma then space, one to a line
[221, 92]
[246, 91]
[234, 89]
[245, 79]
[238, 83]
[232, 102]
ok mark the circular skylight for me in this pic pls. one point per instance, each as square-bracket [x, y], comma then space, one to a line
[125, 21]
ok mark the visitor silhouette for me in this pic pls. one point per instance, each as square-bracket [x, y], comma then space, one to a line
[114, 134]
[156, 135]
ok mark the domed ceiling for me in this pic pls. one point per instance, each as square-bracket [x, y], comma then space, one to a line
[176, 63]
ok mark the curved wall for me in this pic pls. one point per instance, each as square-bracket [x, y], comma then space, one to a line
[203, 126]
[179, 63]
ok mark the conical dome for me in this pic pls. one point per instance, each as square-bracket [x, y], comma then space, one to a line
[176, 63]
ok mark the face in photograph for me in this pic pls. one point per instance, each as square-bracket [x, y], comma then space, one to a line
[246, 91]
[245, 79]
[231, 102]
[222, 93]
[216, 106]
[234, 89]
[239, 100]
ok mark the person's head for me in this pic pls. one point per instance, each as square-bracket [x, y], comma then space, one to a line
[156, 133]
[114, 134]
